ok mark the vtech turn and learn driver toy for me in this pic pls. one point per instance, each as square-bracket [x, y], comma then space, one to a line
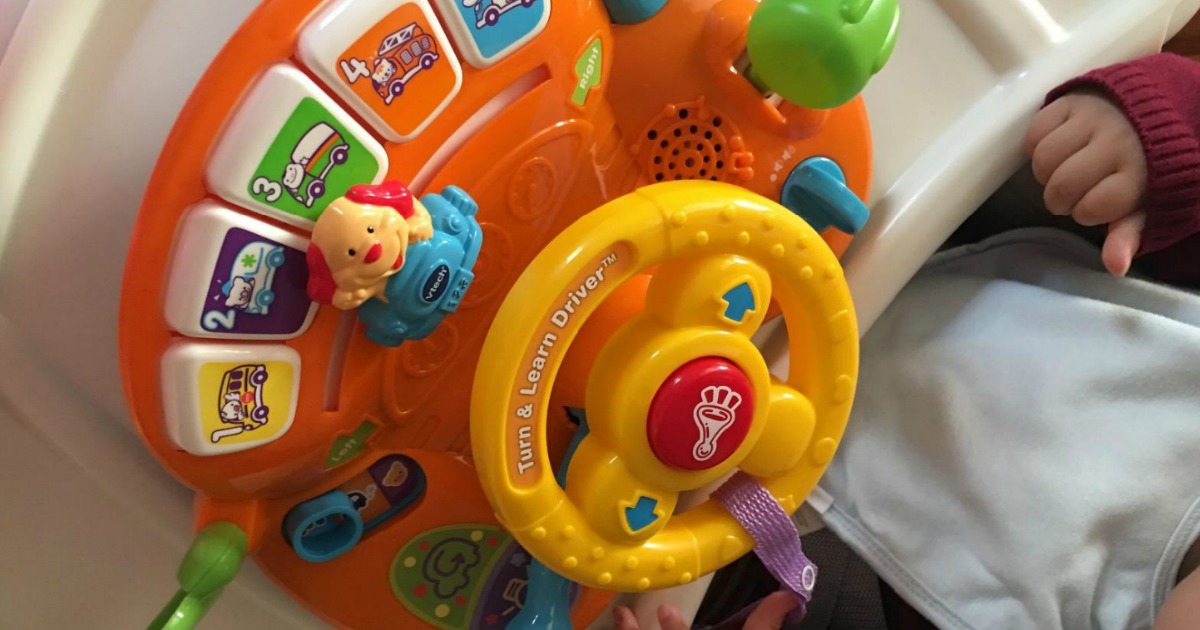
[439, 305]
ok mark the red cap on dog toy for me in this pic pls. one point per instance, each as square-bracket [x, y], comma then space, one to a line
[391, 194]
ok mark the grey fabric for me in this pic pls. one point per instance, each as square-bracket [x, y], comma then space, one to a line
[1024, 444]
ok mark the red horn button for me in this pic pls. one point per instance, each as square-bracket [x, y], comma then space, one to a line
[700, 414]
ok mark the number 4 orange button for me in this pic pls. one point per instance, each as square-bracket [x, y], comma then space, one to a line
[389, 60]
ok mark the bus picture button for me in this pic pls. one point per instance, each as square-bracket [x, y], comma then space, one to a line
[490, 30]
[224, 398]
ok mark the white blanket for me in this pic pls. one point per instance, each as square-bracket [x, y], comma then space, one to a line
[1025, 446]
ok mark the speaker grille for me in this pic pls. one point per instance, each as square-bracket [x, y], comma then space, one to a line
[692, 141]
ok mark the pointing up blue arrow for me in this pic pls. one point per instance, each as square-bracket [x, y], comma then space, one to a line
[739, 299]
[641, 515]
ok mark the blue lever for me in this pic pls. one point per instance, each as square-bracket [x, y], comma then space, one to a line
[323, 528]
[816, 191]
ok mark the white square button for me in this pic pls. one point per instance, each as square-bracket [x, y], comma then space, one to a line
[389, 60]
[222, 398]
[233, 276]
[289, 150]
[490, 30]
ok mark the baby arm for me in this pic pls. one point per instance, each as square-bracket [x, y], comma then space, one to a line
[1119, 147]
[1182, 608]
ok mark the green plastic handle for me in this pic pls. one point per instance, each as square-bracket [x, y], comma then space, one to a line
[183, 612]
[210, 565]
[819, 54]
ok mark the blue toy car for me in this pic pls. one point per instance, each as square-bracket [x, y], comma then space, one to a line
[436, 275]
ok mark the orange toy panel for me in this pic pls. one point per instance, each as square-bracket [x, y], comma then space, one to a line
[263, 401]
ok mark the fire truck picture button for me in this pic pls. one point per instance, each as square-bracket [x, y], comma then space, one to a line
[389, 60]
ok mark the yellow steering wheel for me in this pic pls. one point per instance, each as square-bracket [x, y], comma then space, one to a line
[678, 397]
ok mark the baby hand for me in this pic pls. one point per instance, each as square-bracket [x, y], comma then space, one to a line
[1088, 156]
[770, 614]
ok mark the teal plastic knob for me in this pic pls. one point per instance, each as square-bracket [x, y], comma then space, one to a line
[819, 54]
[816, 191]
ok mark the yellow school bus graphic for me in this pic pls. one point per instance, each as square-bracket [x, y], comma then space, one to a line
[245, 402]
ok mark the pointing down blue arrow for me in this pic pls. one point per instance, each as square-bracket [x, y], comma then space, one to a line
[641, 515]
[739, 299]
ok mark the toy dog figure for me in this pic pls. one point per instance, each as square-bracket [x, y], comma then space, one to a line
[361, 240]
[405, 264]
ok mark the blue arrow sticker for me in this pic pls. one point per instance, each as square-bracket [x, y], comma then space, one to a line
[739, 299]
[641, 515]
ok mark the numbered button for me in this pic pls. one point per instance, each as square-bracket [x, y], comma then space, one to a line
[489, 30]
[389, 60]
[221, 398]
[237, 277]
[289, 150]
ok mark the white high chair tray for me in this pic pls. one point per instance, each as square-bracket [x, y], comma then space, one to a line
[93, 529]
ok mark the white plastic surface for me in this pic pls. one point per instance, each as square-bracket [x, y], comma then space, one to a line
[950, 112]
[88, 91]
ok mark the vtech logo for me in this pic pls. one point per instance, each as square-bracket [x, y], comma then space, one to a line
[436, 284]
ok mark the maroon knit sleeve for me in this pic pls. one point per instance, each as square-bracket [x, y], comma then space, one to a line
[1160, 95]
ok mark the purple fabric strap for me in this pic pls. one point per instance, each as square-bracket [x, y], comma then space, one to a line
[776, 538]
